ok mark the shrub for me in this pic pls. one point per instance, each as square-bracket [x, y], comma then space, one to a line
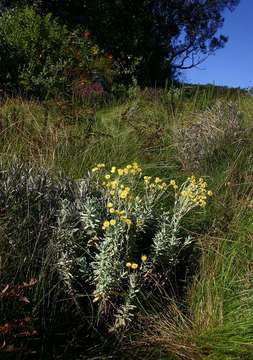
[106, 235]
[44, 58]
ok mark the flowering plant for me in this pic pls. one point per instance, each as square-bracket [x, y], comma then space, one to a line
[130, 210]
[104, 235]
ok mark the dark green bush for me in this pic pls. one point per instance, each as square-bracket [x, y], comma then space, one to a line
[43, 58]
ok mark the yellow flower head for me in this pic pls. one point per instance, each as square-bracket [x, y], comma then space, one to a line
[210, 193]
[113, 222]
[106, 224]
[110, 205]
[114, 184]
[107, 177]
[113, 169]
[134, 266]
[123, 194]
[147, 179]
[128, 221]
[100, 165]
[95, 50]
[139, 222]
[157, 180]
[128, 265]
[172, 182]
[144, 258]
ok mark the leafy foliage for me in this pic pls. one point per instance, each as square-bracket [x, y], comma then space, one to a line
[165, 36]
[44, 58]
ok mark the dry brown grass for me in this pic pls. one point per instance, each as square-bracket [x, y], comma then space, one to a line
[173, 332]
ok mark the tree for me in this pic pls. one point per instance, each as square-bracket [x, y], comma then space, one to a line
[166, 35]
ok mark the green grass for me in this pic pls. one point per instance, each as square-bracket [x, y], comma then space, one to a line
[223, 295]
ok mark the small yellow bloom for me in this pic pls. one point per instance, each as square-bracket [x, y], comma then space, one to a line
[157, 180]
[139, 222]
[110, 205]
[120, 172]
[113, 222]
[134, 266]
[128, 221]
[147, 179]
[112, 193]
[128, 265]
[210, 193]
[172, 182]
[100, 165]
[106, 224]
[94, 169]
[202, 203]
[95, 50]
[107, 177]
[123, 194]
[113, 169]
[114, 184]
[144, 258]
[112, 210]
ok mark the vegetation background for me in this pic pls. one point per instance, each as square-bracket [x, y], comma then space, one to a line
[74, 98]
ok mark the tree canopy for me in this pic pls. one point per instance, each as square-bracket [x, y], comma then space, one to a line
[161, 37]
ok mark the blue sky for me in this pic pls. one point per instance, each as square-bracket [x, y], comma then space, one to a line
[233, 65]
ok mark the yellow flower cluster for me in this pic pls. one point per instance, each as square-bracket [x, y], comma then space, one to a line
[120, 195]
[107, 224]
[196, 191]
[173, 184]
[135, 266]
[154, 184]
[117, 192]
[98, 167]
[139, 222]
[132, 169]
[95, 50]
[120, 216]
